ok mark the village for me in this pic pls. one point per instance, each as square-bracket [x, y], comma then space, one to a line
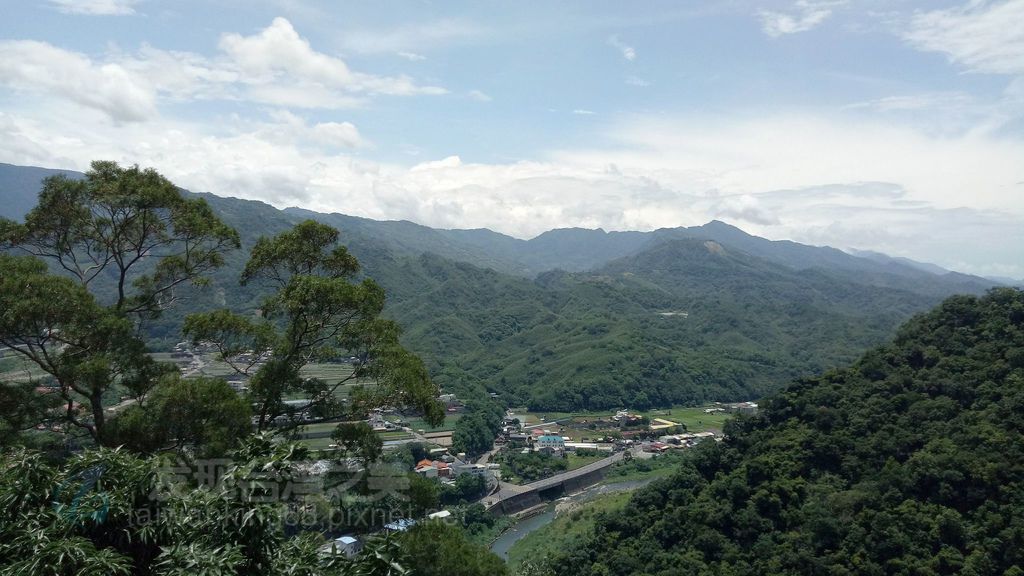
[534, 457]
[570, 453]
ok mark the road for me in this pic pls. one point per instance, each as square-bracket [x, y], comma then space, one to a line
[486, 456]
[122, 405]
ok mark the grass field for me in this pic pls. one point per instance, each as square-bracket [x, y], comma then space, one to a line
[318, 428]
[693, 418]
[331, 373]
[644, 468]
[417, 423]
[317, 443]
[576, 461]
[17, 369]
[317, 436]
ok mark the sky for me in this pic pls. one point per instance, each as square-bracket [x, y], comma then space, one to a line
[885, 125]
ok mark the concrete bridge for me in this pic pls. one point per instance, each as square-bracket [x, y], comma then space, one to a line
[512, 498]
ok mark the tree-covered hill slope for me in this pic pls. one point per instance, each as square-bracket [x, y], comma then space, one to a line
[686, 321]
[910, 461]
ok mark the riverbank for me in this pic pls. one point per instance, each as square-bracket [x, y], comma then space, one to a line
[620, 480]
[542, 517]
[570, 521]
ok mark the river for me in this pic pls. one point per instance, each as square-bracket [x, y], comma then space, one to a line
[520, 529]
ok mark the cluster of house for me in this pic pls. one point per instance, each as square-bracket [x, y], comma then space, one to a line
[684, 440]
[739, 407]
[627, 420]
[452, 404]
[446, 467]
[377, 420]
[545, 441]
[449, 467]
[189, 359]
[350, 546]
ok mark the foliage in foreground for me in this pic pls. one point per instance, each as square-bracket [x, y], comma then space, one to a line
[911, 461]
[109, 512]
[126, 243]
[314, 312]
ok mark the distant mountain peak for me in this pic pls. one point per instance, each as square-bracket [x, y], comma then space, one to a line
[573, 249]
[720, 225]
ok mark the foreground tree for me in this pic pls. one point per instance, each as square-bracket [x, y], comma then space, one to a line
[439, 549]
[202, 415]
[110, 512]
[22, 408]
[317, 312]
[125, 234]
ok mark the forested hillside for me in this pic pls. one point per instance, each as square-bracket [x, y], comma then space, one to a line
[910, 461]
[683, 315]
[686, 322]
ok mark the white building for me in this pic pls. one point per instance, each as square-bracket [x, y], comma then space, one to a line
[348, 545]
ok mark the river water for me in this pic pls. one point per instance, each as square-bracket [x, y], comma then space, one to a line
[520, 529]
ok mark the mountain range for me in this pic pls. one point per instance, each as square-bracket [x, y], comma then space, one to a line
[578, 318]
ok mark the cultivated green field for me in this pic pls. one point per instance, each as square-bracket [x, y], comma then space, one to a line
[318, 436]
[331, 373]
[576, 424]
[16, 369]
[576, 461]
[694, 418]
[416, 423]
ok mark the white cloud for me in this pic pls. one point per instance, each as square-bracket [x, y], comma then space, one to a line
[784, 151]
[583, 112]
[806, 15]
[628, 52]
[638, 82]
[745, 208]
[981, 36]
[449, 162]
[278, 54]
[290, 128]
[96, 7]
[110, 88]
[825, 180]
[949, 113]
[411, 56]
[479, 96]
[879, 216]
[924, 101]
[844, 179]
[274, 66]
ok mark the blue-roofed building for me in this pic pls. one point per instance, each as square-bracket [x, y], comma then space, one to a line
[550, 441]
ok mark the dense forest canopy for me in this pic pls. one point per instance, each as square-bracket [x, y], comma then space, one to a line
[910, 461]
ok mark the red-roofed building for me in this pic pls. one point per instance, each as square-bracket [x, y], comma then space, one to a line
[433, 469]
